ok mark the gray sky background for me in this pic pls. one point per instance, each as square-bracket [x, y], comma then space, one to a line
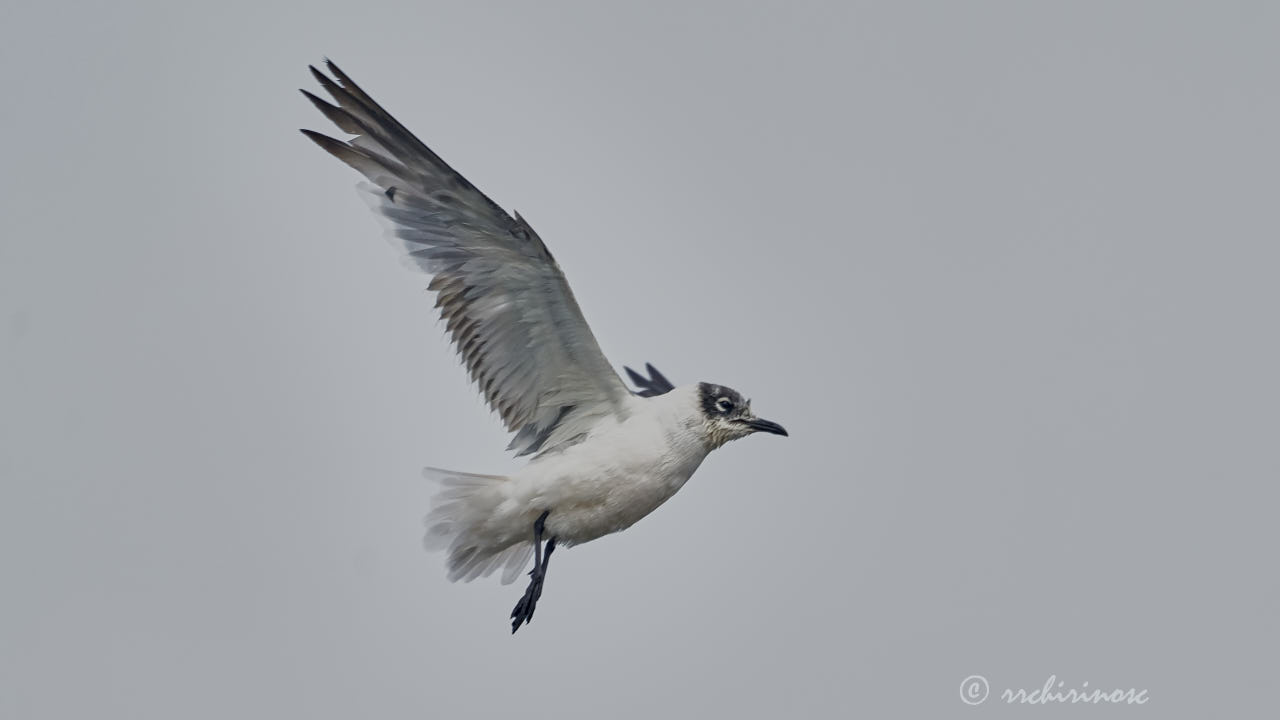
[1006, 271]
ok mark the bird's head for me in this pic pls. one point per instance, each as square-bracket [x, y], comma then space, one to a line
[727, 415]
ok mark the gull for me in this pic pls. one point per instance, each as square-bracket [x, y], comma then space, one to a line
[603, 455]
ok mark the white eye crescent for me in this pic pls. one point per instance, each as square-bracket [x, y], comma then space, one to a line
[724, 404]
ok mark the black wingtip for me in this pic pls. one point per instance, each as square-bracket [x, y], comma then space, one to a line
[655, 384]
[636, 378]
[337, 73]
[657, 377]
[319, 102]
[337, 148]
[325, 81]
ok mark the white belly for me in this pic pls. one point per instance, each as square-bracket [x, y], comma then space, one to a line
[602, 485]
[603, 505]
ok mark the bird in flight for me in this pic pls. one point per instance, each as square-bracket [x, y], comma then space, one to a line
[603, 455]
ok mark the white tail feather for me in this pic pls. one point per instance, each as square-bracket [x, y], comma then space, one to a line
[458, 513]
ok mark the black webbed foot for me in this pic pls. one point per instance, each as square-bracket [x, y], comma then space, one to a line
[523, 612]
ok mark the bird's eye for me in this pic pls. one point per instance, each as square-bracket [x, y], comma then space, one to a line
[724, 405]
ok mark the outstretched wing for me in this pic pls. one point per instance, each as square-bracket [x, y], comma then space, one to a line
[507, 306]
[655, 384]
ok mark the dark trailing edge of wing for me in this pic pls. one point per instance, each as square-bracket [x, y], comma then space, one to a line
[655, 384]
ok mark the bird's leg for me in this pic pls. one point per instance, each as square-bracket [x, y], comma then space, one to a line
[523, 612]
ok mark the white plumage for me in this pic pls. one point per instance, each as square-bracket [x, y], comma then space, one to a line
[620, 472]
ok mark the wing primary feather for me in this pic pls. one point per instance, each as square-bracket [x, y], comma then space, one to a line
[636, 378]
[337, 115]
[655, 384]
[367, 163]
[658, 378]
[358, 96]
[349, 87]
